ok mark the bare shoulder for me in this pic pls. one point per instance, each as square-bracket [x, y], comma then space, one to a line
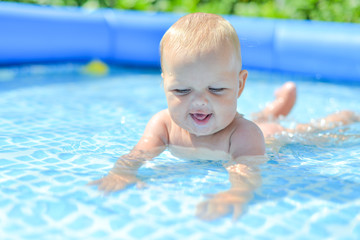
[161, 117]
[157, 126]
[246, 139]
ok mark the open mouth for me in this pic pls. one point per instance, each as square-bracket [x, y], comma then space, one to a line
[201, 118]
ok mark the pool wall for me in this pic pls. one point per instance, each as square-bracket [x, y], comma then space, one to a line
[31, 33]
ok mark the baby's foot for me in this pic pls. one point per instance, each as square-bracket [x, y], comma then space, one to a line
[340, 118]
[343, 117]
[285, 98]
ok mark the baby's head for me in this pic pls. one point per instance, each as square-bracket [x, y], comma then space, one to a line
[201, 68]
[197, 34]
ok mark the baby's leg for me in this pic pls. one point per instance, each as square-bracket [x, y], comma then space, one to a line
[284, 101]
[269, 129]
[331, 121]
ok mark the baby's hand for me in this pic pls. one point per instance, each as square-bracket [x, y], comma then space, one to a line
[114, 182]
[223, 203]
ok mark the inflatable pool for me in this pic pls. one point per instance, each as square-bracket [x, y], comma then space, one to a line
[63, 125]
[31, 33]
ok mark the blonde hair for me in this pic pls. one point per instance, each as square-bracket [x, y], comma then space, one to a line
[199, 33]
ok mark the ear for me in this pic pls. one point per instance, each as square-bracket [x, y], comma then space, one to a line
[242, 79]
[162, 79]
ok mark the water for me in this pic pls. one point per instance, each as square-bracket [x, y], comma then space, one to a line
[60, 129]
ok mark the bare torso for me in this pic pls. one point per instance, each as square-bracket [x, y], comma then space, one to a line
[217, 146]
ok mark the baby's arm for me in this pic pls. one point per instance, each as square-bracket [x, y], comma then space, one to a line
[247, 151]
[151, 144]
[246, 140]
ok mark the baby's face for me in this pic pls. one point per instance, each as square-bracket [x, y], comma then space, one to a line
[202, 90]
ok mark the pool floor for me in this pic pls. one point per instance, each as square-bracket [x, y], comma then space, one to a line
[61, 129]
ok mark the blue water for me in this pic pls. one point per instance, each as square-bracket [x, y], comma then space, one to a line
[61, 128]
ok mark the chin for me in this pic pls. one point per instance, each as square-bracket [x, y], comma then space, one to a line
[202, 132]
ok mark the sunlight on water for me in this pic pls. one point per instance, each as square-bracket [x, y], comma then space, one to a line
[63, 129]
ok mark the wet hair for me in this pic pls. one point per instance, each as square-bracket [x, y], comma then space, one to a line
[199, 33]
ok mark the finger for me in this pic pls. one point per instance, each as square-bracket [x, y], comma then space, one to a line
[237, 212]
[94, 182]
[201, 209]
[106, 185]
[119, 186]
[223, 209]
[141, 185]
[113, 186]
[218, 210]
[107, 189]
[213, 211]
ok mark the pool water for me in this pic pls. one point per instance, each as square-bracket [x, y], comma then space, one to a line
[61, 128]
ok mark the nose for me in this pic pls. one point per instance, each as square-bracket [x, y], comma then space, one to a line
[200, 100]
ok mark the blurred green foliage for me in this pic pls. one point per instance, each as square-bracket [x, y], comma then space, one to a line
[323, 10]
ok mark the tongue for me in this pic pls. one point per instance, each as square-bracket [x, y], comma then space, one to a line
[200, 116]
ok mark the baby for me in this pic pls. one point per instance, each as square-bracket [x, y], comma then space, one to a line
[203, 79]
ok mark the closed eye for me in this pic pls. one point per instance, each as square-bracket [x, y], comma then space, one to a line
[216, 90]
[181, 91]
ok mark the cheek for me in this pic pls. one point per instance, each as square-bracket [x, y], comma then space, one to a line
[226, 109]
[227, 103]
[175, 104]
